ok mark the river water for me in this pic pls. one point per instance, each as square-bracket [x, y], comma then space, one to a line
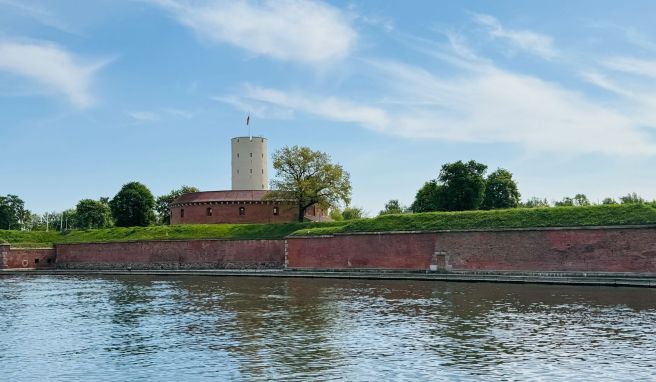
[71, 328]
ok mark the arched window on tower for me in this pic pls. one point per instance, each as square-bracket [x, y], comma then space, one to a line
[242, 211]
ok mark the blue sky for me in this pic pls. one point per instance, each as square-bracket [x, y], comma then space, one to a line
[96, 94]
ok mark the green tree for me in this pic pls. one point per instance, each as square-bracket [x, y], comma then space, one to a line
[536, 202]
[12, 209]
[609, 201]
[336, 214]
[429, 198]
[632, 198]
[393, 207]
[351, 213]
[163, 203]
[308, 177]
[500, 191]
[566, 202]
[581, 200]
[133, 206]
[463, 185]
[92, 214]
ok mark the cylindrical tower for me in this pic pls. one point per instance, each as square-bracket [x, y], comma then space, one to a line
[249, 163]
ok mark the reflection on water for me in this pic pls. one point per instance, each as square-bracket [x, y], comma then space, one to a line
[158, 328]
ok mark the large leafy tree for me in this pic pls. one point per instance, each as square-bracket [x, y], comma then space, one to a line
[352, 213]
[93, 214]
[308, 177]
[133, 206]
[463, 185]
[12, 209]
[500, 191]
[163, 203]
[428, 198]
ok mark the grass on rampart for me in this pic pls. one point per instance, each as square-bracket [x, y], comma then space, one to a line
[602, 215]
[35, 239]
[431, 221]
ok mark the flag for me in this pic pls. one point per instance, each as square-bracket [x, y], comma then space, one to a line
[248, 120]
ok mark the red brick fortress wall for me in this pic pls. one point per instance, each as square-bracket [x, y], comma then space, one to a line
[175, 254]
[598, 249]
[573, 250]
[362, 251]
[4, 252]
[16, 258]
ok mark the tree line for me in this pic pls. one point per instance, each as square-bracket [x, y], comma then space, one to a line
[133, 205]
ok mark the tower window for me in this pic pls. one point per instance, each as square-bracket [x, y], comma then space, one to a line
[242, 210]
[237, 155]
[275, 211]
[237, 171]
[182, 212]
[262, 171]
[251, 171]
[251, 155]
[209, 211]
[262, 155]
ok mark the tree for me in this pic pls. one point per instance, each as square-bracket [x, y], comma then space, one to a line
[12, 209]
[393, 207]
[92, 214]
[463, 185]
[581, 200]
[535, 202]
[500, 191]
[308, 177]
[133, 206]
[336, 214]
[566, 202]
[632, 198]
[163, 203]
[352, 213]
[428, 198]
[608, 201]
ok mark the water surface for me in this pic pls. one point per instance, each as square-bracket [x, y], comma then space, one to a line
[71, 328]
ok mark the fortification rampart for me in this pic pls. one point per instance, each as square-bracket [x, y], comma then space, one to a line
[593, 249]
[174, 254]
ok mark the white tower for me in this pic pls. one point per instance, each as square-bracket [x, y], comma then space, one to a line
[249, 163]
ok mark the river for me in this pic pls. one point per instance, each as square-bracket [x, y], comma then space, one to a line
[75, 328]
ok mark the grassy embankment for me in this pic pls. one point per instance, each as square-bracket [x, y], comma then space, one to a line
[433, 221]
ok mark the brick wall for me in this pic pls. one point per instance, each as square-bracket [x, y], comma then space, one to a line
[4, 251]
[28, 258]
[569, 250]
[228, 213]
[578, 250]
[369, 251]
[175, 254]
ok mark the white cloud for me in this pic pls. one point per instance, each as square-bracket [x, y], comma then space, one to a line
[159, 114]
[41, 15]
[535, 43]
[291, 30]
[52, 67]
[488, 105]
[144, 116]
[640, 67]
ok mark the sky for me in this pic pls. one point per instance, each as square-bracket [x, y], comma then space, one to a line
[99, 93]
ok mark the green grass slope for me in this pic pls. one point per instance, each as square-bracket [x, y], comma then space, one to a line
[511, 218]
[201, 231]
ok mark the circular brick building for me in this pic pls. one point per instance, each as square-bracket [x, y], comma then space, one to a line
[217, 207]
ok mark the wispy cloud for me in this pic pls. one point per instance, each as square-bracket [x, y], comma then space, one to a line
[480, 103]
[159, 114]
[646, 68]
[52, 67]
[290, 30]
[535, 43]
[41, 15]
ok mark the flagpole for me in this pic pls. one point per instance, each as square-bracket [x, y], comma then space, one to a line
[248, 123]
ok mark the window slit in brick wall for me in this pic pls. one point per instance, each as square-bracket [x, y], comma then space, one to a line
[36, 261]
[182, 212]
[275, 211]
[209, 211]
[242, 211]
